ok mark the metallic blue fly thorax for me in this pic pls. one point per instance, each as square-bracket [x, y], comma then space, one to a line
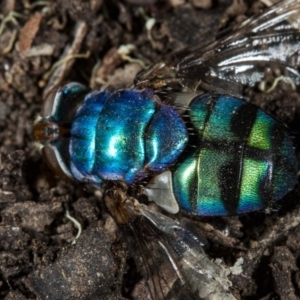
[83, 136]
[124, 136]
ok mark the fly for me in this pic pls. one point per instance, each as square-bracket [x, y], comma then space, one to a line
[209, 154]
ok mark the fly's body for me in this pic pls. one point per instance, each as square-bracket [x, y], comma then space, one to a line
[209, 154]
[243, 159]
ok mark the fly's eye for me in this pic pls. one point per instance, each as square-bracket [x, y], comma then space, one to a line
[61, 106]
[52, 128]
[58, 112]
[55, 162]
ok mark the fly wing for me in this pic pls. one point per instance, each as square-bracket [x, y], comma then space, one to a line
[173, 260]
[144, 242]
[238, 58]
[160, 277]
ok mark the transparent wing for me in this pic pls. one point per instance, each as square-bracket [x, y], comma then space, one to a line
[171, 257]
[238, 58]
[161, 274]
[199, 277]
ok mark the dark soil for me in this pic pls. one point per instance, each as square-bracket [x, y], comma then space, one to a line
[37, 259]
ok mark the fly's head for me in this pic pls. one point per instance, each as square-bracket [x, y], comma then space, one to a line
[52, 127]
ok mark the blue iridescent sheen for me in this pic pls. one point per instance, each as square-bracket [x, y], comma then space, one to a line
[119, 153]
[162, 139]
[123, 136]
[83, 136]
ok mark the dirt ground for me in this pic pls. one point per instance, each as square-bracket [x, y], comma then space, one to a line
[44, 44]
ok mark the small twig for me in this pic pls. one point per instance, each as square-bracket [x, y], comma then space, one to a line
[149, 25]
[33, 5]
[57, 73]
[76, 224]
[267, 3]
[150, 22]
[11, 42]
[262, 85]
[67, 58]
[10, 17]
[94, 79]
[125, 50]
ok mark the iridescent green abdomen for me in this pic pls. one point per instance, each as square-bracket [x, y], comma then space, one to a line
[243, 159]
